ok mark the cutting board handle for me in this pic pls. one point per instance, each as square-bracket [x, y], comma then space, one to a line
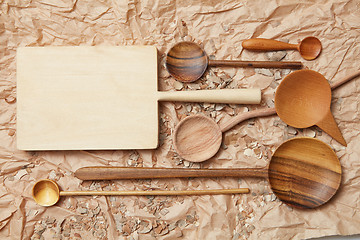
[231, 96]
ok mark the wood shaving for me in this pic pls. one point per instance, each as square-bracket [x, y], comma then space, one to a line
[264, 71]
[275, 55]
[178, 85]
[20, 174]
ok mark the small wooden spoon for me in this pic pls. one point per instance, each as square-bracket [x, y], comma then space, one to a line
[46, 192]
[187, 62]
[309, 48]
[301, 100]
[198, 137]
[303, 172]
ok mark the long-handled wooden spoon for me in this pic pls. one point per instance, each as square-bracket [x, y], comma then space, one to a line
[303, 172]
[187, 62]
[46, 192]
[301, 100]
[309, 48]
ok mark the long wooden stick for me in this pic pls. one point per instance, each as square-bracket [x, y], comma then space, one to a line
[156, 192]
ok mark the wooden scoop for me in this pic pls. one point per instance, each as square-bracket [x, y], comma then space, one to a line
[309, 48]
[46, 192]
[303, 172]
[187, 62]
[301, 100]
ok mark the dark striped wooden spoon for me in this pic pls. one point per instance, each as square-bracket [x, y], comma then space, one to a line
[187, 62]
[303, 172]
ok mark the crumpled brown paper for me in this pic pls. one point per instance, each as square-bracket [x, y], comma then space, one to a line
[220, 27]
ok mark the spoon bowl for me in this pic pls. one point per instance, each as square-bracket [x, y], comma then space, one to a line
[310, 48]
[304, 172]
[190, 146]
[186, 61]
[46, 192]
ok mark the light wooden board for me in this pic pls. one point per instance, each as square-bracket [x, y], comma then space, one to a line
[87, 98]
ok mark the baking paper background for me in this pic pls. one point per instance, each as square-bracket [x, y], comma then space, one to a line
[220, 27]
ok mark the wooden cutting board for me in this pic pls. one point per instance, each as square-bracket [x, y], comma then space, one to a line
[72, 98]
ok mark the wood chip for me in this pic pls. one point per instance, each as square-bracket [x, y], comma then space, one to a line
[275, 55]
[249, 152]
[188, 108]
[291, 130]
[20, 174]
[178, 85]
[309, 133]
[52, 175]
[264, 71]
[219, 107]
[10, 99]
[277, 75]
[82, 210]
[145, 226]
[270, 103]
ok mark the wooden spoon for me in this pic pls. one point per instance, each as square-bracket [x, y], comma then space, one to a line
[303, 172]
[46, 192]
[198, 137]
[309, 48]
[301, 100]
[187, 62]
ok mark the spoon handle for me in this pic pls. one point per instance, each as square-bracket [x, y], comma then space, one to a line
[261, 44]
[111, 173]
[156, 192]
[256, 64]
[344, 80]
[227, 125]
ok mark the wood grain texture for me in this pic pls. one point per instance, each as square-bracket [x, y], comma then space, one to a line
[81, 98]
[256, 64]
[197, 138]
[345, 79]
[111, 173]
[309, 48]
[231, 96]
[261, 44]
[232, 122]
[46, 192]
[157, 192]
[303, 99]
[187, 62]
[71, 98]
[303, 172]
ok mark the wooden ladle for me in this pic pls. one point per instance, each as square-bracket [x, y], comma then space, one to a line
[302, 100]
[303, 172]
[309, 48]
[187, 62]
[46, 192]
